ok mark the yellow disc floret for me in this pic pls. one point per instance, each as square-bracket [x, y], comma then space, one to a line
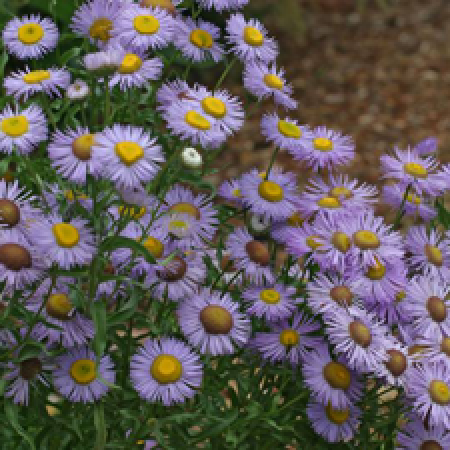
[201, 38]
[83, 371]
[289, 338]
[337, 416]
[196, 120]
[365, 240]
[154, 246]
[36, 76]
[337, 375]
[270, 191]
[323, 144]
[15, 126]
[270, 296]
[101, 29]
[130, 63]
[66, 235]
[253, 37]
[166, 369]
[416, 170]
[214, 107]
[289, 129]
[129, 152]
[30, 33]
[273, 81]
[439, 392]
[146, 24]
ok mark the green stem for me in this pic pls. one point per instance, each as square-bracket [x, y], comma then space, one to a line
[400, 213]
[225, 73]
[272, 160]
[107, 101]
[48, 110]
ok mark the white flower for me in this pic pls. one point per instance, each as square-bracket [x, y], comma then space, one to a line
[77, 90]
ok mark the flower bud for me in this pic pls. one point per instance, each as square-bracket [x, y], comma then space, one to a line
[191, 158]
[77, 90]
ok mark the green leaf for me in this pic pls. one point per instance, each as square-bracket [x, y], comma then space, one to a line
[3, 61]
[12, 414]
[114, 242]
[69, 54]
[98, 313]
[100, 426]
[30, 349]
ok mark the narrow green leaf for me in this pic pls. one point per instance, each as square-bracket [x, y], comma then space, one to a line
[98, 313]
[114, 242]
[100, 426]
[12, 414]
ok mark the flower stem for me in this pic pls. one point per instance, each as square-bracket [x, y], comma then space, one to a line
[107, 101]
[401, 211]
[272, 160]
[225, 73]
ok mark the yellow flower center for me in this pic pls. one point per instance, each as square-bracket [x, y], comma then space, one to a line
[445, 346]
[341, 241]
[177, 226]
[131, 212]
[289, 338]
[413, 198]
[214, 107]
[146, 24]
[253, 37]
[323, 144]
[434, 255]
[399, 296]
[329, 202]
[58, 306]
[186, 208]
[289, 129]
[130, 63]
[154, 246]
[129, 152]
[437, 308]
[273, 81]
[342, 295]
[166, 369]
[83, 371]
[66, 235]
[270, 191]
[337, 375]
[196, 120]
[313, 243]
[201, 38]
[430, 444]
[216, 319]
[36, 76]
[337, 416]
[439, 392]
[365, 240]
[30, 33]
[376, 272]
[270, 296]
[15, 126]
[82, 146]
[9, 212]
[237, 193]
[295, 220]
[415, 169]
[341, 191]
[360, 333]
[101, 29]
[397, 362]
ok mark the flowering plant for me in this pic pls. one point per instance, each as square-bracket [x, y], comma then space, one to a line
[144, 307]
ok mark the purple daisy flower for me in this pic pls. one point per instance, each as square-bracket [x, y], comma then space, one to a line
[129, 155]
[230, 190]
[249, 40]
[181, 277]
[284, 133]
[426, 146]
[184, 119]
[200, 209]
[141, 28]
[213, 323]
[428, 252]
[20, 262]
[166, 370]
[334, 425]
[408, 168]
[357, 334]
[16, 210]
[273, 303]
[280, 228]
[136, 70]
[264, 80]
[96, 20]
[414, 435]
[427, 306]
[388, 309]
[437, 348]
[22, 130]
[221, 5]
[250, 255]
[78, 378]
[71, 327]
[326, 149]
[330, 293]
[414, 205]
[428, 386]
[331, 382]
[25, 83]
[395, 369]
[197, 40]
[288, 342]
[171, 91]
[30, 37]
[71, 154]
[66, 244]
[373, 241]
[220, 108]
[274, 197]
